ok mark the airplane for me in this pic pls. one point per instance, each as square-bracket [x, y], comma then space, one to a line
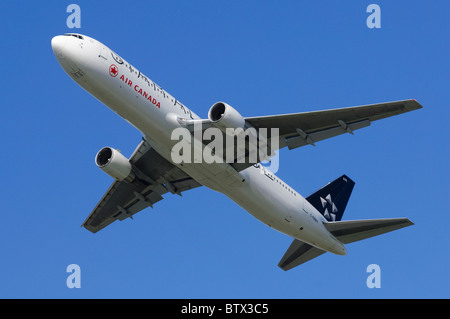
[315, 222]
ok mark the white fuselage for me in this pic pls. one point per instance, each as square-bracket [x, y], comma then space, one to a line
[154, 112]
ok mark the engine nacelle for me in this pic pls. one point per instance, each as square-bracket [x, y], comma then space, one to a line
[113, 163]
[224, 116]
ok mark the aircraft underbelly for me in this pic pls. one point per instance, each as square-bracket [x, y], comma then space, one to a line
[281, 210]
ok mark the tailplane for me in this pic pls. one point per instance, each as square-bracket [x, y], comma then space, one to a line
[346, 232]
[350, 231]
[332, 199]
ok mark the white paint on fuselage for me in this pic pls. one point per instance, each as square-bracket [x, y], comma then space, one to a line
[255, 189]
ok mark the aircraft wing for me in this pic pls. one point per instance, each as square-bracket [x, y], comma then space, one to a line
[122, 200]
[300, 129]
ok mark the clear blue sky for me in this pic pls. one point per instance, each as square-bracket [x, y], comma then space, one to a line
[263, 58]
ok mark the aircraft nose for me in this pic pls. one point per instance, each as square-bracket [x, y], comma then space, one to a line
[58, 44]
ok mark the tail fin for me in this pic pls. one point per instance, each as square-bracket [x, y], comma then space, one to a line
[332, 199]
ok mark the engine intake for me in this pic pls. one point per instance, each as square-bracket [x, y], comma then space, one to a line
[224, 116]
[113, 163]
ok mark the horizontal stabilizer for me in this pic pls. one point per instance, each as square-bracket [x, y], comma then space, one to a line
[346, 232]
[297, 254]
[353, 230]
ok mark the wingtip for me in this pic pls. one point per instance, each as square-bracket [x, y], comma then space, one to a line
[409, 223]
[415, 105]
[284, 266]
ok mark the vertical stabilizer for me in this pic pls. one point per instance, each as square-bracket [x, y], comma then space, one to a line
[332, 199]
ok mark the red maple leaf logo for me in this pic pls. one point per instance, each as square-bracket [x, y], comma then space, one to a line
[113, 70]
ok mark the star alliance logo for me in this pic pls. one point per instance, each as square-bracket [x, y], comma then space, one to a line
[327, 203]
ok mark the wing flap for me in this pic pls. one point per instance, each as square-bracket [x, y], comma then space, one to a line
[311, 138]
[122, 200]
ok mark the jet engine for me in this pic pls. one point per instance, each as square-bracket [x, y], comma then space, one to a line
[224, 116]
[113, 163]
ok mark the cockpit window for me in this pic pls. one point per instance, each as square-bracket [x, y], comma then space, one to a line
[74, 35]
